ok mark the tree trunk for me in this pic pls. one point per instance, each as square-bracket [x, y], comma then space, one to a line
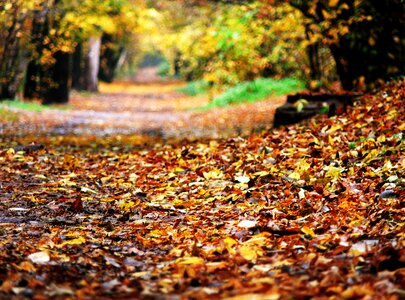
[93, 63]
[10, 55]
[77, 68]
[109, 58]
[40, 29]
[56, 90]
[313, 57]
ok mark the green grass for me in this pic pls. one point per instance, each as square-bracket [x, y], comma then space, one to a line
[194, 88]
[30, 106]
[259, 89]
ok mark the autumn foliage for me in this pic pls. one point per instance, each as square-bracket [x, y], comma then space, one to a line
[313, 210]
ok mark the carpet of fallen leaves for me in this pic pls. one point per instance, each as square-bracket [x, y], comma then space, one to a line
[314, 210]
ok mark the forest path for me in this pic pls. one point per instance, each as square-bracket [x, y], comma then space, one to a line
[146, 108]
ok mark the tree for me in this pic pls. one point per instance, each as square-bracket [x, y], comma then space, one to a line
[14, 22]
[56, 79]
[366, 38]
[111, 52]
[102, 31]
[40, 29]
[47, 73]
[92, 64]
[69, 31]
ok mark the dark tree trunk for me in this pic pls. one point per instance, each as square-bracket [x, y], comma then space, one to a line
[313, 57]
[10, 58]
[31, 86]
[77, 68]
[40, 29]
[177, 64]
[109, 58]
[57, 89]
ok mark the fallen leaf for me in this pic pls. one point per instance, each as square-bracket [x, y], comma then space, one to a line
[40, 258]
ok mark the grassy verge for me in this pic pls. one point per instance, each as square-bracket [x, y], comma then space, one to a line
[30, 106]
[259, 89]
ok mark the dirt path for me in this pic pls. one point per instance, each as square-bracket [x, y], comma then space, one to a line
[152, 109]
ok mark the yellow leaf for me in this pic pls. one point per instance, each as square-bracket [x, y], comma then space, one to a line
[268, 296]
[261, 173]
[333, 172]
[249, 253]
[302, 166]
[326, 14]
[260, 239]
[295, 175]
[305, 229]
[78, 241]
[127, 206]
[333, 3]
[334, 128]
[192, 260]
[229, 243]
[371, 156]
[213, 174]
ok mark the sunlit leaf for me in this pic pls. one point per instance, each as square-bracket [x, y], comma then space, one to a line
[242, 179]
[247, 224]
[41, 257]
[307, 230]
[192, 260]
[77, 241]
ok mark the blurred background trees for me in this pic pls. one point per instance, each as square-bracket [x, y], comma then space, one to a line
[48, 47]
[366, 38]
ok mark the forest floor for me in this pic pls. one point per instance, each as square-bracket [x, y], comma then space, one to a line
[130, 195]
[145, 109]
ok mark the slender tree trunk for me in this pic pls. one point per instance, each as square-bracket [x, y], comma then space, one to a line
[93, 63]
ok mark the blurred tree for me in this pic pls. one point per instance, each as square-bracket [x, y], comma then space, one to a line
[40, 29]
[226, 44]
[112, 50]
[14, 24]
[366, 38]
[47, 72]
[43, 36]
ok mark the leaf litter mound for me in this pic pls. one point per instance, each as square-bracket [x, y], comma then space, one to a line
[313, 210]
